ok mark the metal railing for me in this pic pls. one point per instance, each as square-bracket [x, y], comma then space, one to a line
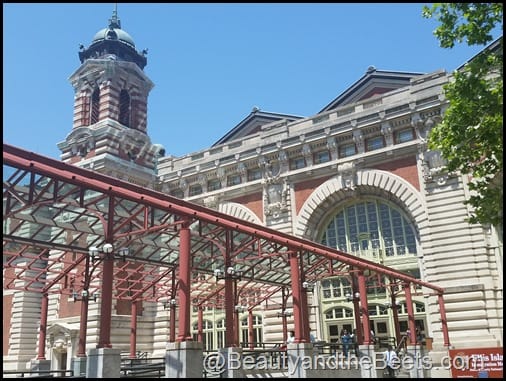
[143, 367]
[40, 373]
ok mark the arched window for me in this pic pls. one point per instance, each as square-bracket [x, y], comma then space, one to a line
[95, 106]
[338, 313]
[124, 108]
[371, 229]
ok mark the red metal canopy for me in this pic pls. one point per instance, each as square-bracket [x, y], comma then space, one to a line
[54, 212]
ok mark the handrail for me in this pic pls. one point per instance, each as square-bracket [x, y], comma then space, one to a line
[40, 372]
[401, 344]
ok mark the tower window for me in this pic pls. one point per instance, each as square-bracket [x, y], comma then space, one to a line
[95, 106]
[124, 108]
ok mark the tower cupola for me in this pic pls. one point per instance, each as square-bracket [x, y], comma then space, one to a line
[113, 43]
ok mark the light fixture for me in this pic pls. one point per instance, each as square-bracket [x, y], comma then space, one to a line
[84, 296]
[308, 286]
[240, 308]
[389, 304]
[94, 252]
[168, 303]
[351, 298]
[231, 273]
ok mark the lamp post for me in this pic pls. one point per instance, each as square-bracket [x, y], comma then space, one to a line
[395, 305]
[231, 275]
[106, 254]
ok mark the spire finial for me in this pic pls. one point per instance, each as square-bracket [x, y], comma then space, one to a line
[114, 21]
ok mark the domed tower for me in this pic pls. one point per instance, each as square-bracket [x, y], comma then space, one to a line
[109, 131]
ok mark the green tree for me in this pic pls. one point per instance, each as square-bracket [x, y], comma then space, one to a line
[470, 136]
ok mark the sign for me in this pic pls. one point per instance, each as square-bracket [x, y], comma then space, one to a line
[476, 363]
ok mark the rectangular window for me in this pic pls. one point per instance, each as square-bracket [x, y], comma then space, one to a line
[213, 185]
[195, 190]
[297, 163]
[404, 135]
[233, 180]
[177, 193]
[375, 143]
[321, 157]
[254, 174]
[347, 150]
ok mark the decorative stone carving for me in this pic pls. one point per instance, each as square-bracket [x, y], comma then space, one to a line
[241, 169]
[358, 138]
[271, 171]
[434, 168]
[220, 173]
[81, 141]
[275, 197]
[386, 130]
[202, 180]
[183, 184]
[348, 175]
[211, 202]
[283, 157]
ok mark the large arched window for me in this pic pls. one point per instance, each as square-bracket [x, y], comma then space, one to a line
[376, 230]
[95, 106]
[124, 108]
[372, 229]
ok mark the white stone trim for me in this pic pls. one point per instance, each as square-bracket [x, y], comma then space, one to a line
[240, 211]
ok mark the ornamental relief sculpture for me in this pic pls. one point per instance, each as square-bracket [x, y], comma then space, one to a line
[275, 197]
[81, 141]
[275, 190]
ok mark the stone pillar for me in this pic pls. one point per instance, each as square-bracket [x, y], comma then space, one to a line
[79, 366]
[299, 356]
[439, 364]
[184, 359]
[103, 363]
[367, 358]
[232, 366]
[40, 365]
[412, 361]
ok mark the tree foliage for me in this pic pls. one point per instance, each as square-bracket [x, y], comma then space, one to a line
[470, 136]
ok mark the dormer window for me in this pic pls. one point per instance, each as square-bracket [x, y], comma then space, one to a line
[111, 35]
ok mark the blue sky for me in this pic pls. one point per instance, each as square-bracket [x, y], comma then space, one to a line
[210, 63]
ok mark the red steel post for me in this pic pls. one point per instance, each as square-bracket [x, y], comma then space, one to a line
[365, 308]
[296, 297]
[172, 323]
[133, 330]
[41, 355]
[411, 313]
[251, 337]
[444, 323]
[184, 332]
[107, 284]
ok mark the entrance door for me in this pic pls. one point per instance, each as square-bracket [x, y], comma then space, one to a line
[335, 329]
[382, 334]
